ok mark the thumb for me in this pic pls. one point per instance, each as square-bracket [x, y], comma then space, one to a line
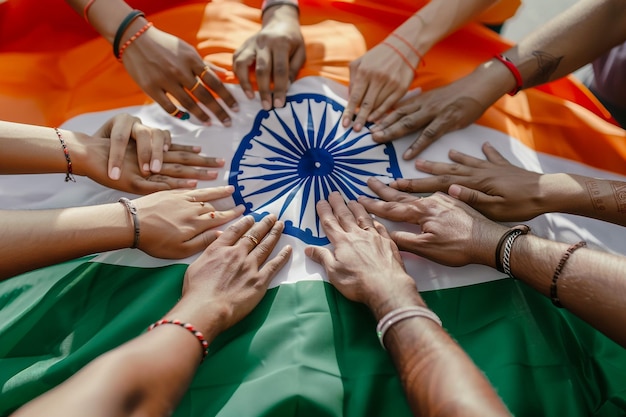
[322, 256]
[469, 196]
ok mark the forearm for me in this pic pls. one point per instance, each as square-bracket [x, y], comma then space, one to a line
[439, 18]
[146, 376]
[592, 284]
[438, 377]
[37, 238]
[104, 16]
[585, 196]
[572, 39]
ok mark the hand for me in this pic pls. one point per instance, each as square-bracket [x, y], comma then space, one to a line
[151, 143]
[365, 266]
[161, 63]
[378, 80]
[453, 233]
[229, 278]
[437, 112]
[277, 52]
[178, 223]
[495, 187]
[182, 165]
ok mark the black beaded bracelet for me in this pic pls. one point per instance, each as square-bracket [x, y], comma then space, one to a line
[559, 269]
[122, 28]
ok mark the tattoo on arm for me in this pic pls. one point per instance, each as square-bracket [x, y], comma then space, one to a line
[546, 66]
[619, 193]
[593, 188]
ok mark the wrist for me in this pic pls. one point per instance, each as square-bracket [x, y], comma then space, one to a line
[493, 80]
[382, 302]
[208, 317]
[106, 19]
[281, 12]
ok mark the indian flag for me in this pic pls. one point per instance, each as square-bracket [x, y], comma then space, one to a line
[305, 350]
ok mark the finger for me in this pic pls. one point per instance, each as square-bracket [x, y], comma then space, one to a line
[365, 107]
[263, 76]
[444, 168]
[468, 160]
[342, 213]
[200, 242]
[158, 139]
[280, 74]
[120, 134]
[205, 97]
[161, 98]
[320, 255]
[243, 59]
[493, 155]
[357, 91]
[180, 171]
[297, 61]
[474, 198]
[410, 242]
[436, 129]
[384, 233]
[263, 250]
[387, 193]
[186, 101]
[184, 148]
[329, 222]
[362, 217]
[233, 233]
[271, 268]
[211, 193]
[391, 97]
[253, 237]
[192, 159]
[210, 78]
[167, 145]
[169, 183]
[397, 212]
[423, 185]
[217, 218]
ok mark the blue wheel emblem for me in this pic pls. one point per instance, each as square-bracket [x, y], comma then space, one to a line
[297, 155]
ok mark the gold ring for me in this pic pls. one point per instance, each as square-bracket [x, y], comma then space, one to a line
[204, 71]
[252, 238]
[198, 82]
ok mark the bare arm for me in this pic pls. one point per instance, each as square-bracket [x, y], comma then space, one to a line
[172, 224]
[592, 284]
[438, 377]
[505, 192]
[148, 375]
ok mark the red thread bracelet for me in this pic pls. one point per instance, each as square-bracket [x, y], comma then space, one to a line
[203, 343]
[511, 66]
[133, 39]
[411, 47]
[86, 10]
[404, 58]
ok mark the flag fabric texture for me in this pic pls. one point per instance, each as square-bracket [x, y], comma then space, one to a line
[305, 350]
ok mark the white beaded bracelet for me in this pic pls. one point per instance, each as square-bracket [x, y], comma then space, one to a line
[400, 314]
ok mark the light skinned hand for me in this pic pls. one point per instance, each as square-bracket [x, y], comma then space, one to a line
[453, 233]
[378, 79]
[179, 223]
[365, 265]
[435, 113]
[151, 142]
[276, 53]
[161, 64]
[182, 165]
[495, 187]
[233, 273]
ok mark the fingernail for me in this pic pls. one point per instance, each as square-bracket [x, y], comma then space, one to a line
[156, 166]
[166, 147]
[207, 123]
[235, 107]
[419, 161]
[278, 102]
[196, 148]
[488, 144]
[345, 122]
[454, 191]
[145, 167]
[229, 188]
[220, 161]
[358, 127]
[192, 183]
[378, 135]
[250, 95]
[266, 105]
[115, 173]
[227, 122]
[374, 128]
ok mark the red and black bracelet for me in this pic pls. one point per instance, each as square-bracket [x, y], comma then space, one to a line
[203, 343]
